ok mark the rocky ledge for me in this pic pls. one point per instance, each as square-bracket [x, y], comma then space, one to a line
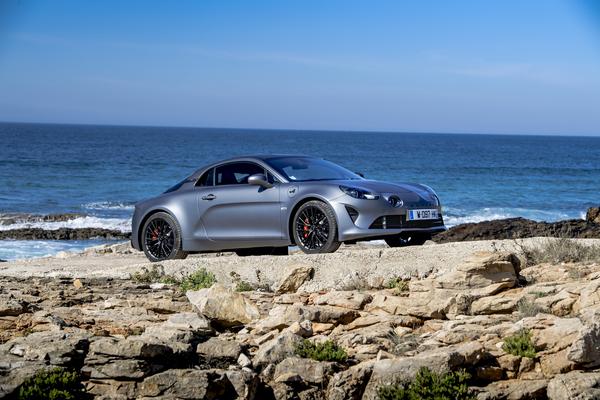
[520, 331]
[63, 234]
[519, 228]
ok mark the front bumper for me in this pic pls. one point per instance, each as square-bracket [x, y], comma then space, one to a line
[376, 218]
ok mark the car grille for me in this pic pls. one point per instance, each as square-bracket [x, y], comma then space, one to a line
[400, 222]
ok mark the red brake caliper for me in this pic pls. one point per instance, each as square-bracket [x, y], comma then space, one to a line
[155, 234]
[306, 228]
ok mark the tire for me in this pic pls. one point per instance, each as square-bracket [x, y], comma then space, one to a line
[314, 228]
[161, 238]
[407, 239]
[262, 251]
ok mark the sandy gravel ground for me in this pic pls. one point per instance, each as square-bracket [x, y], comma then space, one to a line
[351, 267]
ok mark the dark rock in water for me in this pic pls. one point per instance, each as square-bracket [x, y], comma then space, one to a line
[593, 215]
[20, 218]
[517, 228]
[63, 234]
[1, 260]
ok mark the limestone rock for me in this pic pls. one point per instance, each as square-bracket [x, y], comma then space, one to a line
[593, 215]
[294, 369]
[199, 384]
[389, 371]
[574, 385]
[514, 389]
[224, 306]
[351, 383]
[503, 303]
[346, 299]
[10, 306]
[219, 353]
[586, 347]
[277, 349]
[294, 279]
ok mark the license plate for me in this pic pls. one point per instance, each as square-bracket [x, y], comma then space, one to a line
[414, 215]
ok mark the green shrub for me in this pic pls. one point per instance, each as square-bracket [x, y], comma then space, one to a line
[156, 274]
[198, 280]
[326, 351]
[520, 344]
[429, 385]
[559, 250]
[53, 384]
[528, 307]
[243, 286]
[153, 275]
[399, 285]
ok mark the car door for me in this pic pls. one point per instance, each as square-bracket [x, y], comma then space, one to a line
[234, 211]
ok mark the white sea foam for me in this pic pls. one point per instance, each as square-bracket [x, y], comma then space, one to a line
[108, 205]
[119, 224]
[21, 249]
[455, 216]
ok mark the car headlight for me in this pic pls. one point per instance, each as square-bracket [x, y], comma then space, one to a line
[359, 193]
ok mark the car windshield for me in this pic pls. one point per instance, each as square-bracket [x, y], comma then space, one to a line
[303, 169]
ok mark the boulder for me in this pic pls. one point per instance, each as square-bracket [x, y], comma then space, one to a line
[585, 349]
[57, 348]
[347, 299]
[451, 293]
[503, 303]
[199, 384]
[223, 306]
[179, 331]
[276, 349]
[574, 385]
[11, 306]
[514, 389]
[394, 370]
[593, 215]
[282, 316]
[351, 383]
[132, 347]
[218, 353]
[294, 279]
[311, 372]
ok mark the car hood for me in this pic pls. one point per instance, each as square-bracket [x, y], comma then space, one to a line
[409, 191]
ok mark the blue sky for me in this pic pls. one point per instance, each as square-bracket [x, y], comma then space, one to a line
[518, 67]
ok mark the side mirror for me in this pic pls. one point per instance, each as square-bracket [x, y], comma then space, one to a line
[259, 180]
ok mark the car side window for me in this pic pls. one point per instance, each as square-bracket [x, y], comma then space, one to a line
[236, 173]
[207, 178]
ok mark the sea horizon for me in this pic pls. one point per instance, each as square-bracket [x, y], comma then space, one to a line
[299, 130]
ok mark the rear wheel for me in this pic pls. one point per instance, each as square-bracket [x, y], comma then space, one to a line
[315, 228]
[407, 239]
[161, 238]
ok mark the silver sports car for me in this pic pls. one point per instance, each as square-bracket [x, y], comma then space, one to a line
[263, 204]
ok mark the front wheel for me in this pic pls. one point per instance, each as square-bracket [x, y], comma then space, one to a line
[407, 239]
[161, 238]
[315, 228]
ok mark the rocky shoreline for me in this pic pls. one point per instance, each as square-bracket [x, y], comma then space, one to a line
[131, 338]
[510, 228]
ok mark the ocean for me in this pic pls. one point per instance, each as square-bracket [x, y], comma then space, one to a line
[101, 171]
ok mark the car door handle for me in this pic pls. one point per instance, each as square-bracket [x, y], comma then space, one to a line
[209, 197]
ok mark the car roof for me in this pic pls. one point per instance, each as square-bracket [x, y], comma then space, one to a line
[254, 157]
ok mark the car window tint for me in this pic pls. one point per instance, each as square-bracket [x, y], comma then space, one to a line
[207, 179]
[236, 173]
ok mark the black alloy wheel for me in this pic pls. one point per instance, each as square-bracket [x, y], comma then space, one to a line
[315, 228]
[161, 238]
